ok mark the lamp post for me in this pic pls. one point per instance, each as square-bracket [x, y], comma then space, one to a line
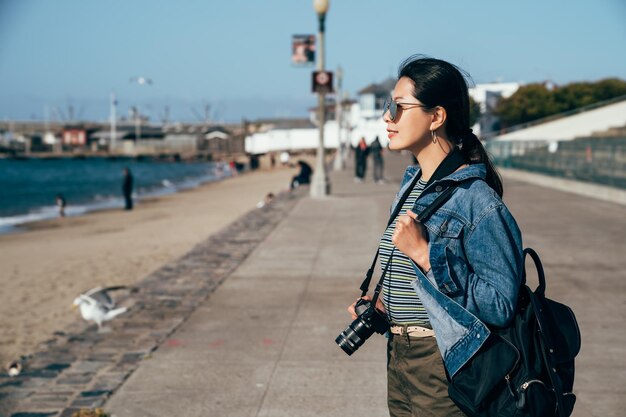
[320, 187]
[339, 158]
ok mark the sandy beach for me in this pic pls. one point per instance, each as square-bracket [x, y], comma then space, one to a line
[46, 267]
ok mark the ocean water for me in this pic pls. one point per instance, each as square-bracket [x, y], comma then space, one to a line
[28, 188]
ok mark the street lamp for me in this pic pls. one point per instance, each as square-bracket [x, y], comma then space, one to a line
[320, 187]
[339, 155]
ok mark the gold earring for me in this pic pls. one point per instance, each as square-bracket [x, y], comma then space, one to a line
[433, 134]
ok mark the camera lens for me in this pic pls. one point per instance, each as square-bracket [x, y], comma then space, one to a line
[355, 335]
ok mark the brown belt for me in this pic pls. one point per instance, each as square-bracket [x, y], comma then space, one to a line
[414, 331]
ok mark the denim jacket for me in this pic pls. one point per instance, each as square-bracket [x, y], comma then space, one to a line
[476, 258]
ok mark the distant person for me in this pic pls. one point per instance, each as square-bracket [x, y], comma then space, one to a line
[60, 202]
[360, 155]
[219, 168]
[254, 162]
[272, 160]
[127, 189]
[284, 158]
[232, 165]
[377, 155]
[303, 177]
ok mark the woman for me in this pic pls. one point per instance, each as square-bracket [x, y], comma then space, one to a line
[457, 274]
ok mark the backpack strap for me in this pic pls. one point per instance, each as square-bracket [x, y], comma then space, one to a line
[451, 163]
[368, 276]
[538, 301]
[425, 214]
[541, 289]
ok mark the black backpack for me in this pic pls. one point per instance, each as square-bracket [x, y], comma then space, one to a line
[527, 368]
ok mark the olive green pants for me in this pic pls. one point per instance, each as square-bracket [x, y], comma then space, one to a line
[416, 380]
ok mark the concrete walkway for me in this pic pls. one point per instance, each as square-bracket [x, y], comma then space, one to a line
[263, 343]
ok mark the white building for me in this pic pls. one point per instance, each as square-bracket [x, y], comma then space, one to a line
[487, 96]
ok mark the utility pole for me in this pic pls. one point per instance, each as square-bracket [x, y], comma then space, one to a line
[339, 157]
[320, 187]
[113, 120]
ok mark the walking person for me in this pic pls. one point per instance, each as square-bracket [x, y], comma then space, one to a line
[60, 203]
[376, 150]
[451, 278]
[127, 189]
[360, 154]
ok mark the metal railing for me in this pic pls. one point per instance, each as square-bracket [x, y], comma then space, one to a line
[596, 160]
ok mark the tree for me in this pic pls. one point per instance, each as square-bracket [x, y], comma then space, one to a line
[474, 111]
[530, 102]
[535, 101]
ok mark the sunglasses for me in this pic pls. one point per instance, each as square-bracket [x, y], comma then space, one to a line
[393, 106]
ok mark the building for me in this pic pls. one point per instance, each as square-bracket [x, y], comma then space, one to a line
[183, 139]
[487, 96]
[372, 99]
[74, 137]
[221, 142]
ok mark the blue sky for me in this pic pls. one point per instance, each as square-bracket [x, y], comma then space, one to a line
[235, 55]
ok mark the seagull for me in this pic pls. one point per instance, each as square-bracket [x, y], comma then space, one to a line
[96, 305]
[141, 80]
[14, 368]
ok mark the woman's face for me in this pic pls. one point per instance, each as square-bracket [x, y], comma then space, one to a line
[411, 128]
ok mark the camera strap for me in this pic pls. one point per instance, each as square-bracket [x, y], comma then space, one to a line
[451, 163]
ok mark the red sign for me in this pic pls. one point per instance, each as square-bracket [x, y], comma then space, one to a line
[322, 82]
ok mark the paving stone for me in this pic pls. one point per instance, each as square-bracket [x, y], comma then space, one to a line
[43, 405]
[89, 402]
[40, 373]
[69, 412]
[48, 400]
[33, 383]
[110, 381]
[57, 391]
[88, 366]
[57, 366]
[15, 394]
[11, 382]
[101, 356]
[76, 378]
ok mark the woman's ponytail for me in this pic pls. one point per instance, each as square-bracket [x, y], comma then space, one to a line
[475, 153]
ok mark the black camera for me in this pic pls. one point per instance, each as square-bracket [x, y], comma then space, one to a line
[369, 320]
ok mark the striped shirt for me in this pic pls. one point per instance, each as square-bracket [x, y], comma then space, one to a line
[402, 304]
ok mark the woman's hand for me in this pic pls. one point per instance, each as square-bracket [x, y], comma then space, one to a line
[410, 238]
[379, 306]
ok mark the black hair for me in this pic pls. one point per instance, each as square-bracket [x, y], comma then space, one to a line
[440, 83]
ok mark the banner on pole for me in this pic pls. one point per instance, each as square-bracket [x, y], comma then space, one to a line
[303, 50]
